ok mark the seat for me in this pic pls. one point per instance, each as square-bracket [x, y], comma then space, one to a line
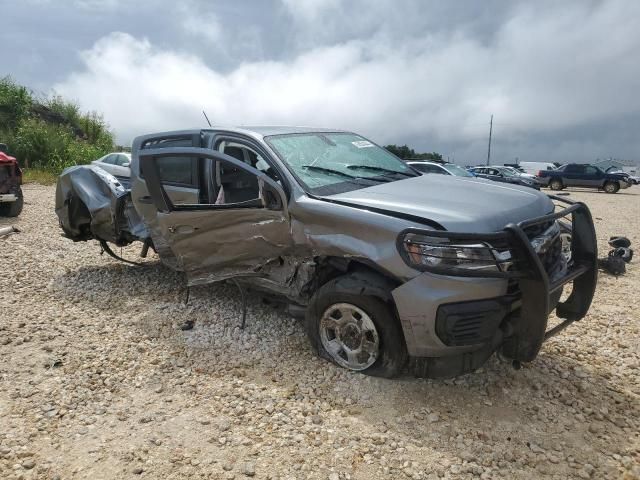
[239, 185]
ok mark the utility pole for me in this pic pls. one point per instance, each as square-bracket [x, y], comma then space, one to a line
[490, 132]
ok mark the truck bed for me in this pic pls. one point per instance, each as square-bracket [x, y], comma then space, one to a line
[93, 204]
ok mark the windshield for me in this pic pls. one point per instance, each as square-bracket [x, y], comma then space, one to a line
[328, 163]
[508, 173]
[458, 171]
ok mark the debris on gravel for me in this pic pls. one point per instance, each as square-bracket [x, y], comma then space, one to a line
[100, 379]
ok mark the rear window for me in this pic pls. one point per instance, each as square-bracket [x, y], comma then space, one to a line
[574, 169]
[181, 171]
[177, 170]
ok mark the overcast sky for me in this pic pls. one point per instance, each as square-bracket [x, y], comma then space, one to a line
[562, 79]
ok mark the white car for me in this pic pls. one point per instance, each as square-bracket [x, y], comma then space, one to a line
[515, 171]
[117, 164]
[440, 168]
[534, 167]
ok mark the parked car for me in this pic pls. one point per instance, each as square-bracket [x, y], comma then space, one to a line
[386, 263]
[117, 164]
[440, 168]
[521, 173]
[11, 199]
[583, 175]
[504, 175]
[534, 167]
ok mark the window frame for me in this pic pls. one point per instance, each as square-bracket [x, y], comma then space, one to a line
[152, 144]
[219, 137]
[164, 203]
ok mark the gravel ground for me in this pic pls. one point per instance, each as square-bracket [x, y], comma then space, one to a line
[99, 380]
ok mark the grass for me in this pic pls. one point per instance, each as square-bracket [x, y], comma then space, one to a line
[43, 177]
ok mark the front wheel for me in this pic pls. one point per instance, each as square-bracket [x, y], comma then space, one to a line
[12, 209]
[611, 187]
[355, 330]
[556, 184]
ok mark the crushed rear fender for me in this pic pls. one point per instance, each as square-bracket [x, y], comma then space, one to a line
[93, 204]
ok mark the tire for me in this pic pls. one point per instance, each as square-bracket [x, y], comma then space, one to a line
[611, 187]
[12, 209]
[556, 184]
[348, 315]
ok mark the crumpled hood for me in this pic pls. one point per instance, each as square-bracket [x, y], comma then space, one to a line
[457, 203]
[619, 175]
[4, 158]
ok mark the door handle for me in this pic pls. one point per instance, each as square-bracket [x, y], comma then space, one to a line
[146, 199]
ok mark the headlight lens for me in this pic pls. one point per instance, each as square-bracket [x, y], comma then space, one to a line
[424, 252]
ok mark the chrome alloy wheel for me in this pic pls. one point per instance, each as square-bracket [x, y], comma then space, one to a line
[349, 336]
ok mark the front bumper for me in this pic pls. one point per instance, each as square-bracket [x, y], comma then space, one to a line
[501, 310]
[8, 197]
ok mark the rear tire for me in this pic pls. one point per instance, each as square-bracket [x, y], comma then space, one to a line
[611, 187]
[12, 209]
[556, 184]
[355, 329]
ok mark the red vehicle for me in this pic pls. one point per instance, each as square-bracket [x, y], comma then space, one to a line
[11, 200]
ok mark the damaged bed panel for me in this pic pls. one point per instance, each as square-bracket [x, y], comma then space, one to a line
[92, 204]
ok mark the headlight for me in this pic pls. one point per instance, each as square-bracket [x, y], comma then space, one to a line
[426, 253]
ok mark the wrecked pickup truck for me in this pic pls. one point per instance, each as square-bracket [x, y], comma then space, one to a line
[11, 199]
[388, 265]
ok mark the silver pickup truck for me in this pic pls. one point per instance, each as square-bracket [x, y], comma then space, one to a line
[390, 267]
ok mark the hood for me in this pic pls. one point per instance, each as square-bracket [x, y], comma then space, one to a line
[621, 175]
[457, 203]
[4, 158]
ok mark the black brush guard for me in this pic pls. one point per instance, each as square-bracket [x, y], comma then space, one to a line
[526, 328]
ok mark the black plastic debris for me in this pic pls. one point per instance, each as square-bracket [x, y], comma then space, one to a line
[625, 254]
[615, 262]
[613, 265]
[619, 241]
[187, 325]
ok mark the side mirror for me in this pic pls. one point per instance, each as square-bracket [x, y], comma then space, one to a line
[126, 164]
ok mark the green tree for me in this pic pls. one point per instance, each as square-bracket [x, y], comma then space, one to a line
[406, 153]
[15, 102]
[50, 133]
[403, 151]
[434, 156]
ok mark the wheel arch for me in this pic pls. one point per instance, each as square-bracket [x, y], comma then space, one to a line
[381, 282]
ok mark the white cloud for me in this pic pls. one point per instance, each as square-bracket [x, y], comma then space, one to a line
[205, 26]
[91, 5]
[309, 10]
[542, 71]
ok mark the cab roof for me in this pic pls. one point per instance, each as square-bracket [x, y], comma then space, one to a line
[268, 130]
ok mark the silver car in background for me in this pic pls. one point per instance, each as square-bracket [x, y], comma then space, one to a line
[117, 164]
[440, 168]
